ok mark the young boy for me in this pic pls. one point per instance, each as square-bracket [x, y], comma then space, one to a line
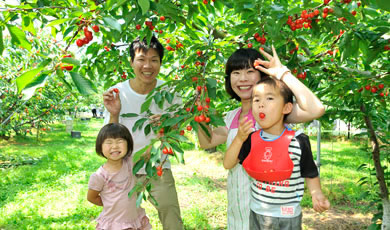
[277, 158]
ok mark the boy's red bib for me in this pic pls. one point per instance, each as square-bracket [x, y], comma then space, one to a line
[269, 160]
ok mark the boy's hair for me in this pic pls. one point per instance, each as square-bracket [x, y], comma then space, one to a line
[137, 44]
[243, 58]
[284, 90]
[113, 130]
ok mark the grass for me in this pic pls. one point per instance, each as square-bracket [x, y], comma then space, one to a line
[47, 190]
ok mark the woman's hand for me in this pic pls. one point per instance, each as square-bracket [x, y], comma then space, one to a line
[273, 67]
[244, 129]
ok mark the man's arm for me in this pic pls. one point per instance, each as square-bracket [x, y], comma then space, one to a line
[217, 136]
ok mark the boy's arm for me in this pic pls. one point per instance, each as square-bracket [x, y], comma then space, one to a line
[320, 202]
[231, 157]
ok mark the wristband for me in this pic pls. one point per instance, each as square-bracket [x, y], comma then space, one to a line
[281, 72]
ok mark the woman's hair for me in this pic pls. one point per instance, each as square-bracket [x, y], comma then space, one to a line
[143, 45]
[241, 59]
[113, 130]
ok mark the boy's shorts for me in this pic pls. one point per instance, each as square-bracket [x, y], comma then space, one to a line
[260, 222]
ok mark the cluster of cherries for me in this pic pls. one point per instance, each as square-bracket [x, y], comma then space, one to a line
[375, 89]
[150, 25]
[88, 35]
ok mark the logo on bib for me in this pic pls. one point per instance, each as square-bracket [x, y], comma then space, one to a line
[267, 155]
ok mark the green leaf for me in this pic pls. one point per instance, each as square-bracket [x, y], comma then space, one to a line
[157, 97]
[26, 78]
[139, 123]
[1, 41]
[129, 115]
[37, 82]
[147, 129]
[173, 121]
[139, 199]
[145, 106]
[217, 121]
[149, 169]
[138, 166]
[71, 61]
[112, 23]
[145, 5]
[18, 37]
[58, 21]
[28, 25]
[383, 4]
[83, 85]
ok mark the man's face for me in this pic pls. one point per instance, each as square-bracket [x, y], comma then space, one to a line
[146, 66]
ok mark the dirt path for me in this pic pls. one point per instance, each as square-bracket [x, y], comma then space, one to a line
[335, 219]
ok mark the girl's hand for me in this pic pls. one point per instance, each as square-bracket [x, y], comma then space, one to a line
[273, 67]
[244, 129]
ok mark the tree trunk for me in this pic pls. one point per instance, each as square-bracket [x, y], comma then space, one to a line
[384, 192]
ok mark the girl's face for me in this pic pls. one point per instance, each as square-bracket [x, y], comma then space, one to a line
[243, 81]
[114, 148]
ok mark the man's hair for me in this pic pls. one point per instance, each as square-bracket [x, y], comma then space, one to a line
[243, 58]
[143, 45]
[113, 130]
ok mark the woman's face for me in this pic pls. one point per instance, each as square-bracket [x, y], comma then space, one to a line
[243, 81]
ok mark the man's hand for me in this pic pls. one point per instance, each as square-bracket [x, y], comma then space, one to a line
[112, 101]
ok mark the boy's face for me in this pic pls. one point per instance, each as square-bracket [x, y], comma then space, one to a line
[268, 107]
[146, 66]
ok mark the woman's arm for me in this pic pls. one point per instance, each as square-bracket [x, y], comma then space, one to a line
[217, 136]
[94, 197]
[308, 106]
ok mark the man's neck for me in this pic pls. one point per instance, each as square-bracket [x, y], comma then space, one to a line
[140, 87]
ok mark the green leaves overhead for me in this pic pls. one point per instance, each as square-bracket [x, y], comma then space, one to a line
[145, 5]
[28, 77]
[112, 23]
[18, 37]
[83, 85]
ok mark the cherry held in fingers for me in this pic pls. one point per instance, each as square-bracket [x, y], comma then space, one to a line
[116, 90]
[262, 115]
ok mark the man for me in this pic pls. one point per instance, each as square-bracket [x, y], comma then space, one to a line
[146, 62]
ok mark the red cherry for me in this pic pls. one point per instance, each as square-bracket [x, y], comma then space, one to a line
[374, 89]
[358, 4]
[138, 26]
[165, 150]
[88, 35]
[194, 79]
[367, 87]
[162, 18]
[199, 88]
[199, 108]
[381, 86]
[262, 115]
[382, 94]
[326, 2]
[85, 40]
[67, 56]
[202, 118]
[250, 45]
[360, 90]
[189, 128]
[207, 120]
[170, 151]
[148, 23]
[69, 67]
[159, 172]
[257, 63]
[116, 90]
[257, 35]
[353, 12]
[207, 100]
[199, 53]
[205, 2]
[96, 28]
[196, 119]
[181, 132]
[188, 109]
[79, 42]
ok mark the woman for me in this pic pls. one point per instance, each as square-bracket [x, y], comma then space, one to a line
[241, 76]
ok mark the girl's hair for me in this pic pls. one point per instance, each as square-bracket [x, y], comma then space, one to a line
[143, 45]
[243, 58]
[113, 130]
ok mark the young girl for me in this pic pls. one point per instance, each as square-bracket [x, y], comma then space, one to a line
[110, 185]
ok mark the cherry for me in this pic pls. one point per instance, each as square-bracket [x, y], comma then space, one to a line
[196, 119]
[138, 26]
[170, 151]
[162, 18]
[88, 35]
[189, 128]
[148, 23]
[96, 28]
[69, 67]
[165, 150]
[205, 2]
[207, 100]
[79, 42]
[207, 120]
[374, 89]
[199, 53]
[194, 79]
[188, 109]
[250, 45]
[202, 118]
[353, 12]
[106, 48]
[181, 132]
[262, 115]
[199, 108]
[199, 88]
[367, 87]
[159, 172]
[85, 40]
[382, 94]
[326, 2]
[360, 90]
[116, 90]
[257, 63]
[381, 86]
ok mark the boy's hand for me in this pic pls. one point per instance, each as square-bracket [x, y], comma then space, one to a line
[244, 129]
[320, 202]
